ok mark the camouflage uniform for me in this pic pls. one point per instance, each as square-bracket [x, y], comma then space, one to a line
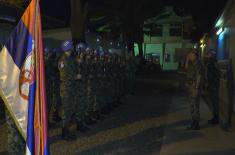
[123, 77]
[133, 69]
[99, 85]
[91, 92]
[128, 83]
[213, 82]
[16, 143]
[103, 87]
[109, 84]
[81, 88]
[49, 81]
[67, 83]
[194, 84]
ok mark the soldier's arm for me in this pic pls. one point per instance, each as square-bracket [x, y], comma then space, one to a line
[199, 77]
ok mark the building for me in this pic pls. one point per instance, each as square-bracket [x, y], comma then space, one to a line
[221, 39]
[165, 35]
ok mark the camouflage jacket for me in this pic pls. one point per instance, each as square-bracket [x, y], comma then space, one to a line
[194, 74]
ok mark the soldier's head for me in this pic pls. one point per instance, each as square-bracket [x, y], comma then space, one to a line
[211, 54]
[67, 47]
[80, 47]
[46, 53]
[194, 55]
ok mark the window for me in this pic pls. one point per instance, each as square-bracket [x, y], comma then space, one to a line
[167, 57]
[157, 31]
[175, 32]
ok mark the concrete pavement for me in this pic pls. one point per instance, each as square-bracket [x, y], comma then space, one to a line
[152, 122]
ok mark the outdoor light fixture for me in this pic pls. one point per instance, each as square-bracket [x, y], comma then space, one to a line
[219, 31]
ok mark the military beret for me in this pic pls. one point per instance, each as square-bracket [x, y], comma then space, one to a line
[81, 47]
[67, 45]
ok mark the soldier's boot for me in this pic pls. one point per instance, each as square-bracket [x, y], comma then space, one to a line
[119, 101]
[56, 116]
[196, 126]
[191, 126]
[89, 120]
[214, 121]
[99, 116]
[105, 111]
[110, 107]
[82, 127]
[67, 135]
[115, 104]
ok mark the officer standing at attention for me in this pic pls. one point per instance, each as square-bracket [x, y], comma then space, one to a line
[81, 88]
[194, 71]
[213, 83]
[90, 115]
[67, 82]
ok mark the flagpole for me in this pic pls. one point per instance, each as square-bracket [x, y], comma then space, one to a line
[37, 75]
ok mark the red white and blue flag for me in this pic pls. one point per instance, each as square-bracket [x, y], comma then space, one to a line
[22, 80]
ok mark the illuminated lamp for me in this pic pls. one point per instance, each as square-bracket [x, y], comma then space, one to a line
[219, 31]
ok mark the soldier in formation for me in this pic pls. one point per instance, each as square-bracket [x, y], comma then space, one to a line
[92, 83]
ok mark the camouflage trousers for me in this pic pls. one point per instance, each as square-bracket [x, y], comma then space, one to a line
[122, 86]
[195, 107]
[81, 101]
[54, 100]
[16, 143]
[214, 101]
[110, 90]
[100, 93]
[67, 103]
[91, 96]
[117, 89]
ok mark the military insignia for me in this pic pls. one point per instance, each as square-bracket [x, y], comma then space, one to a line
[26, 77]
[61, 64]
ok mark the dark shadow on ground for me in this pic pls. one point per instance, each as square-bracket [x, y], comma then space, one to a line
[147, 142]
[223, 152]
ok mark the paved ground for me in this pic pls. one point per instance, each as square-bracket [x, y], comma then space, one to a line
[152, 122]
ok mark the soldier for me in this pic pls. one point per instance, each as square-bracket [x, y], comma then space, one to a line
[91, 97]
[67, 82]
[213, 82]
[109, 81]
[49, 69]
[53, 94]
[123, 77]
[16, 143]
[194, 71]
[81, 97]
[119, 79]
[116, 79]
[56, 100]
[97, 84]
[128, 83]
[103, 84]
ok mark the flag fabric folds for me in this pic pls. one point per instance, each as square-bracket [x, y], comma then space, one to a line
[22, 80]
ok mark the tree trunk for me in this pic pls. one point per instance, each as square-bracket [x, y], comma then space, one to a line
[77, 21]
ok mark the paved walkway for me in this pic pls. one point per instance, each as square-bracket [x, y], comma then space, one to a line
[210, 140]
[152, 122]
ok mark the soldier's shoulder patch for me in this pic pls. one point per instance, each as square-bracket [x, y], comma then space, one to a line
[61, 64]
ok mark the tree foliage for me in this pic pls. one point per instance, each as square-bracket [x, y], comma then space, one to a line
[16, 3]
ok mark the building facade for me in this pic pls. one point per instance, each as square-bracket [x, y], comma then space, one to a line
[221, 39]
[165, 35]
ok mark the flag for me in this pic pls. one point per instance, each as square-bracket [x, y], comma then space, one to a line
[22, 80]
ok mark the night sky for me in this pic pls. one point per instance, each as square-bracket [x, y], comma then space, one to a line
[204, 12]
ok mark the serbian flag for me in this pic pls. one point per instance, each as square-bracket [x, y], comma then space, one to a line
[22, 80]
